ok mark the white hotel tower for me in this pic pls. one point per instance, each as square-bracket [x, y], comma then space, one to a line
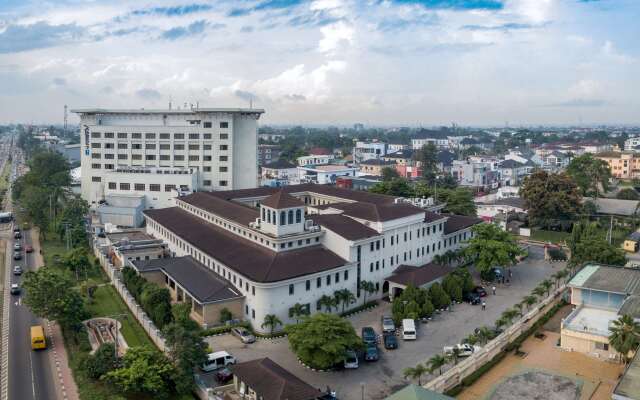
[159, 153]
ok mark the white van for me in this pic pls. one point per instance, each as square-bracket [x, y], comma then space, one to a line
[408, 329]
[217, 360]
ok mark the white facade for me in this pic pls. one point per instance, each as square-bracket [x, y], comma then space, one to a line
[417, 144]
[315, 160]
[324, 174]
[219, 144]
[631, 144]
[369, 151]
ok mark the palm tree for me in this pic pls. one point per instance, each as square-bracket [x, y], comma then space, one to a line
[297, 311]
[367, 287]
[344, 296]
[538, 291]
[563, 273]
[472, 339]
[508, 315]
[436, 363]
[501, 322]
[529, 301]
[439, 259]
[272, 321]
[520, 306]
[484, 334]
[625, 336]
[327, 302]
[546, 285]
[454, 356]
[415, 373]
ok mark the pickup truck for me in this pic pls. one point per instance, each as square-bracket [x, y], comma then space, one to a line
[464, 349]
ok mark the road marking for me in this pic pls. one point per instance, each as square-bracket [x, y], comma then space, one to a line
[4, 371]
[33, 378]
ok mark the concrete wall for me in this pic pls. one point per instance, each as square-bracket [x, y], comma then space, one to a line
[586, 343]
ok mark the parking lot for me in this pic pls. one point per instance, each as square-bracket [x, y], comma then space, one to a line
[385, 376]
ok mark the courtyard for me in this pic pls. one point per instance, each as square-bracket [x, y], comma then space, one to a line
[545, 371]
[385, 376]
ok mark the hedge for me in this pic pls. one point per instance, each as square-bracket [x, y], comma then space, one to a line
[363, 307]
[218, 330]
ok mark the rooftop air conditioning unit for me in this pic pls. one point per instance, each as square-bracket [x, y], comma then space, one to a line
[308, 224]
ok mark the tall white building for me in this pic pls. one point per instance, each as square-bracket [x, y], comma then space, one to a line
[162, 153]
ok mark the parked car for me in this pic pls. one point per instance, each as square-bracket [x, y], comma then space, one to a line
[28, 249]
[390, 341]
[15, 288]
[17, 247]
[409, 329]
[369, 335]
[472, 298]
[350, 360]
[17, 255]
[224, 375]
[480, 291]
[387, 324]
[17, 235]
[17, 270]
[371, 352]
[464, 349]
[243, 334]
[16, 229]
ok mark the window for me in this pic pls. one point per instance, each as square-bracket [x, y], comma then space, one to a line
[224, 158]
[328, 280]
[139, 186]
[253, 290]
[392, 240]
[168, 188]
[150, 146]
[206, 124]
[224, 124]
[194, 147]
[290, 218]
[206, 135]
[206, 147]
[224, 136]
[95, 156]
[95, 145]
[224, 147]
[108, 166]
[96, 179]
[602, 346]
[108, 145]
[96, 166]
[136, 146]
[95, 135]
[206, 158]
[253, 313]
[154, 187]
[371, 246]
[123, 146]
[178, 146]
[298, 216]
[224, 169]
[165, 146]
[194, 158]
[194, 136]
[206, 169]
[223, 183]
[108, 135]
[283, 218]
[337, 277]
[122, 135]
[377, 245]
[165, 136]
[178, 135]
[149, 135]
[112, 185]
[178, 157]
[125, 186]
[318, 282]
[346, 275]
[150, 157]
[164, 157]
[291, 289]
[308, 285]
[371, 267]
[405, 236]
[136, 136]
[206, 182]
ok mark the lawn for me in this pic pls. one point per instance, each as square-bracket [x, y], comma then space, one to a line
[549, 236]
[106, 302]
[53, 249]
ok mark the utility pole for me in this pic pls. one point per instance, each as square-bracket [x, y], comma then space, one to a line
[610, 230]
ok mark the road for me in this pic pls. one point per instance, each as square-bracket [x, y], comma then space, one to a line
[30, 373]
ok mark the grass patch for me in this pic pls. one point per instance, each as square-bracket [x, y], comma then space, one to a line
[549, 236]
[106, 301]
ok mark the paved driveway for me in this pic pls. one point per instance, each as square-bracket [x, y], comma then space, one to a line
[385, 376]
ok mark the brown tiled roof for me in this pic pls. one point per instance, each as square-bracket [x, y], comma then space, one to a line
[378, 212]
[459, 222]
[250, 259]
[280, 199]
[227, 209]
[272, 382]
[203, 284]
[346, 227]
[418, 276]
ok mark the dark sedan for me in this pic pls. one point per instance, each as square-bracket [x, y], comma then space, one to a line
[371, 353]
[480, 291]
[472, 298]
[224, 375]
[390, 342]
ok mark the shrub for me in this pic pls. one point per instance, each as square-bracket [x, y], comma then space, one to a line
[101, 362]
[438, 296]
[354, 310]
[225, 315]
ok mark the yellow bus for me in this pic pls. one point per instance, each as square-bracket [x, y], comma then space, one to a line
[37, 338]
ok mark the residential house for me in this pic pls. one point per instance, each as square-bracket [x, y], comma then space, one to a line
[623, 165]
[395, 147]
[372, 150]
[268, 153]
[512, 172]
[279, 173]
[632, 144]
[475, 174]
[445, 161]
[324, 159]
[551, 160]
[375, 166]
[324, 174]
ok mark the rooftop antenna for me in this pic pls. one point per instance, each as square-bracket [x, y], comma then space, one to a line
[65, 117]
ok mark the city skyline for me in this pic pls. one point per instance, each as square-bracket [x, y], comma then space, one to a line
[402, 62]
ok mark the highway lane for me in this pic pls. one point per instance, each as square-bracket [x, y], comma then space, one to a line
[30, 372]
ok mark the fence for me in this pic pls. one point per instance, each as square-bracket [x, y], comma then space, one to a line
[463, 369]
[142, 317]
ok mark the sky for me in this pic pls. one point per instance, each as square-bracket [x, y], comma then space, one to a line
[377, 62]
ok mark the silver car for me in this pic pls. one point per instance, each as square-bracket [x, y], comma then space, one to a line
[387, 324]
[243, 334]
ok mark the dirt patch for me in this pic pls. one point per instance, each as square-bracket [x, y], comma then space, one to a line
[553, 325]
[535, 385]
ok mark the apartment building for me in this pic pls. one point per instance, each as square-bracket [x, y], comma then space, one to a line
[282, 246]
[632, 144]
[476, 173]
[364, 151]
[268, 153]
[149, 152]
[623, 165]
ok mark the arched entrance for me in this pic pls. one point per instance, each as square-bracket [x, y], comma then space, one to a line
[385, 287]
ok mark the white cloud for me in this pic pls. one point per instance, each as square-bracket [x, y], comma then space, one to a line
[335, 35]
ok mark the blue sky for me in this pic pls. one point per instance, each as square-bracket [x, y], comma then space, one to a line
[410, 62]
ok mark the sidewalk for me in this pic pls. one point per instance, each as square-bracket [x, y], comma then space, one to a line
[63, 377]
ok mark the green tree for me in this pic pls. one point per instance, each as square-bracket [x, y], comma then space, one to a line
[627, 194]
[427, 157]
[76, 261]
[589, 174]
[156, 302]
[367, 288]
[415, 373]
[546, 285]
[102, 361]
[550, 198]
[182, 315]
[436, 363]
[454, 356]
[50, 295]
[296, 311]
[491, 247]
[459, 201]
[529, 301]
[587, 243]
[389, 173]
[398, 187]
[624, 336]
[272, 321]
[144, 371]
[344, 297]
[509, 315]
[438, 296]
[538, 291]
[484, 335]
[321, 340]
[452, 285]
[225, 315]
[328, 302]
[187, 350]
